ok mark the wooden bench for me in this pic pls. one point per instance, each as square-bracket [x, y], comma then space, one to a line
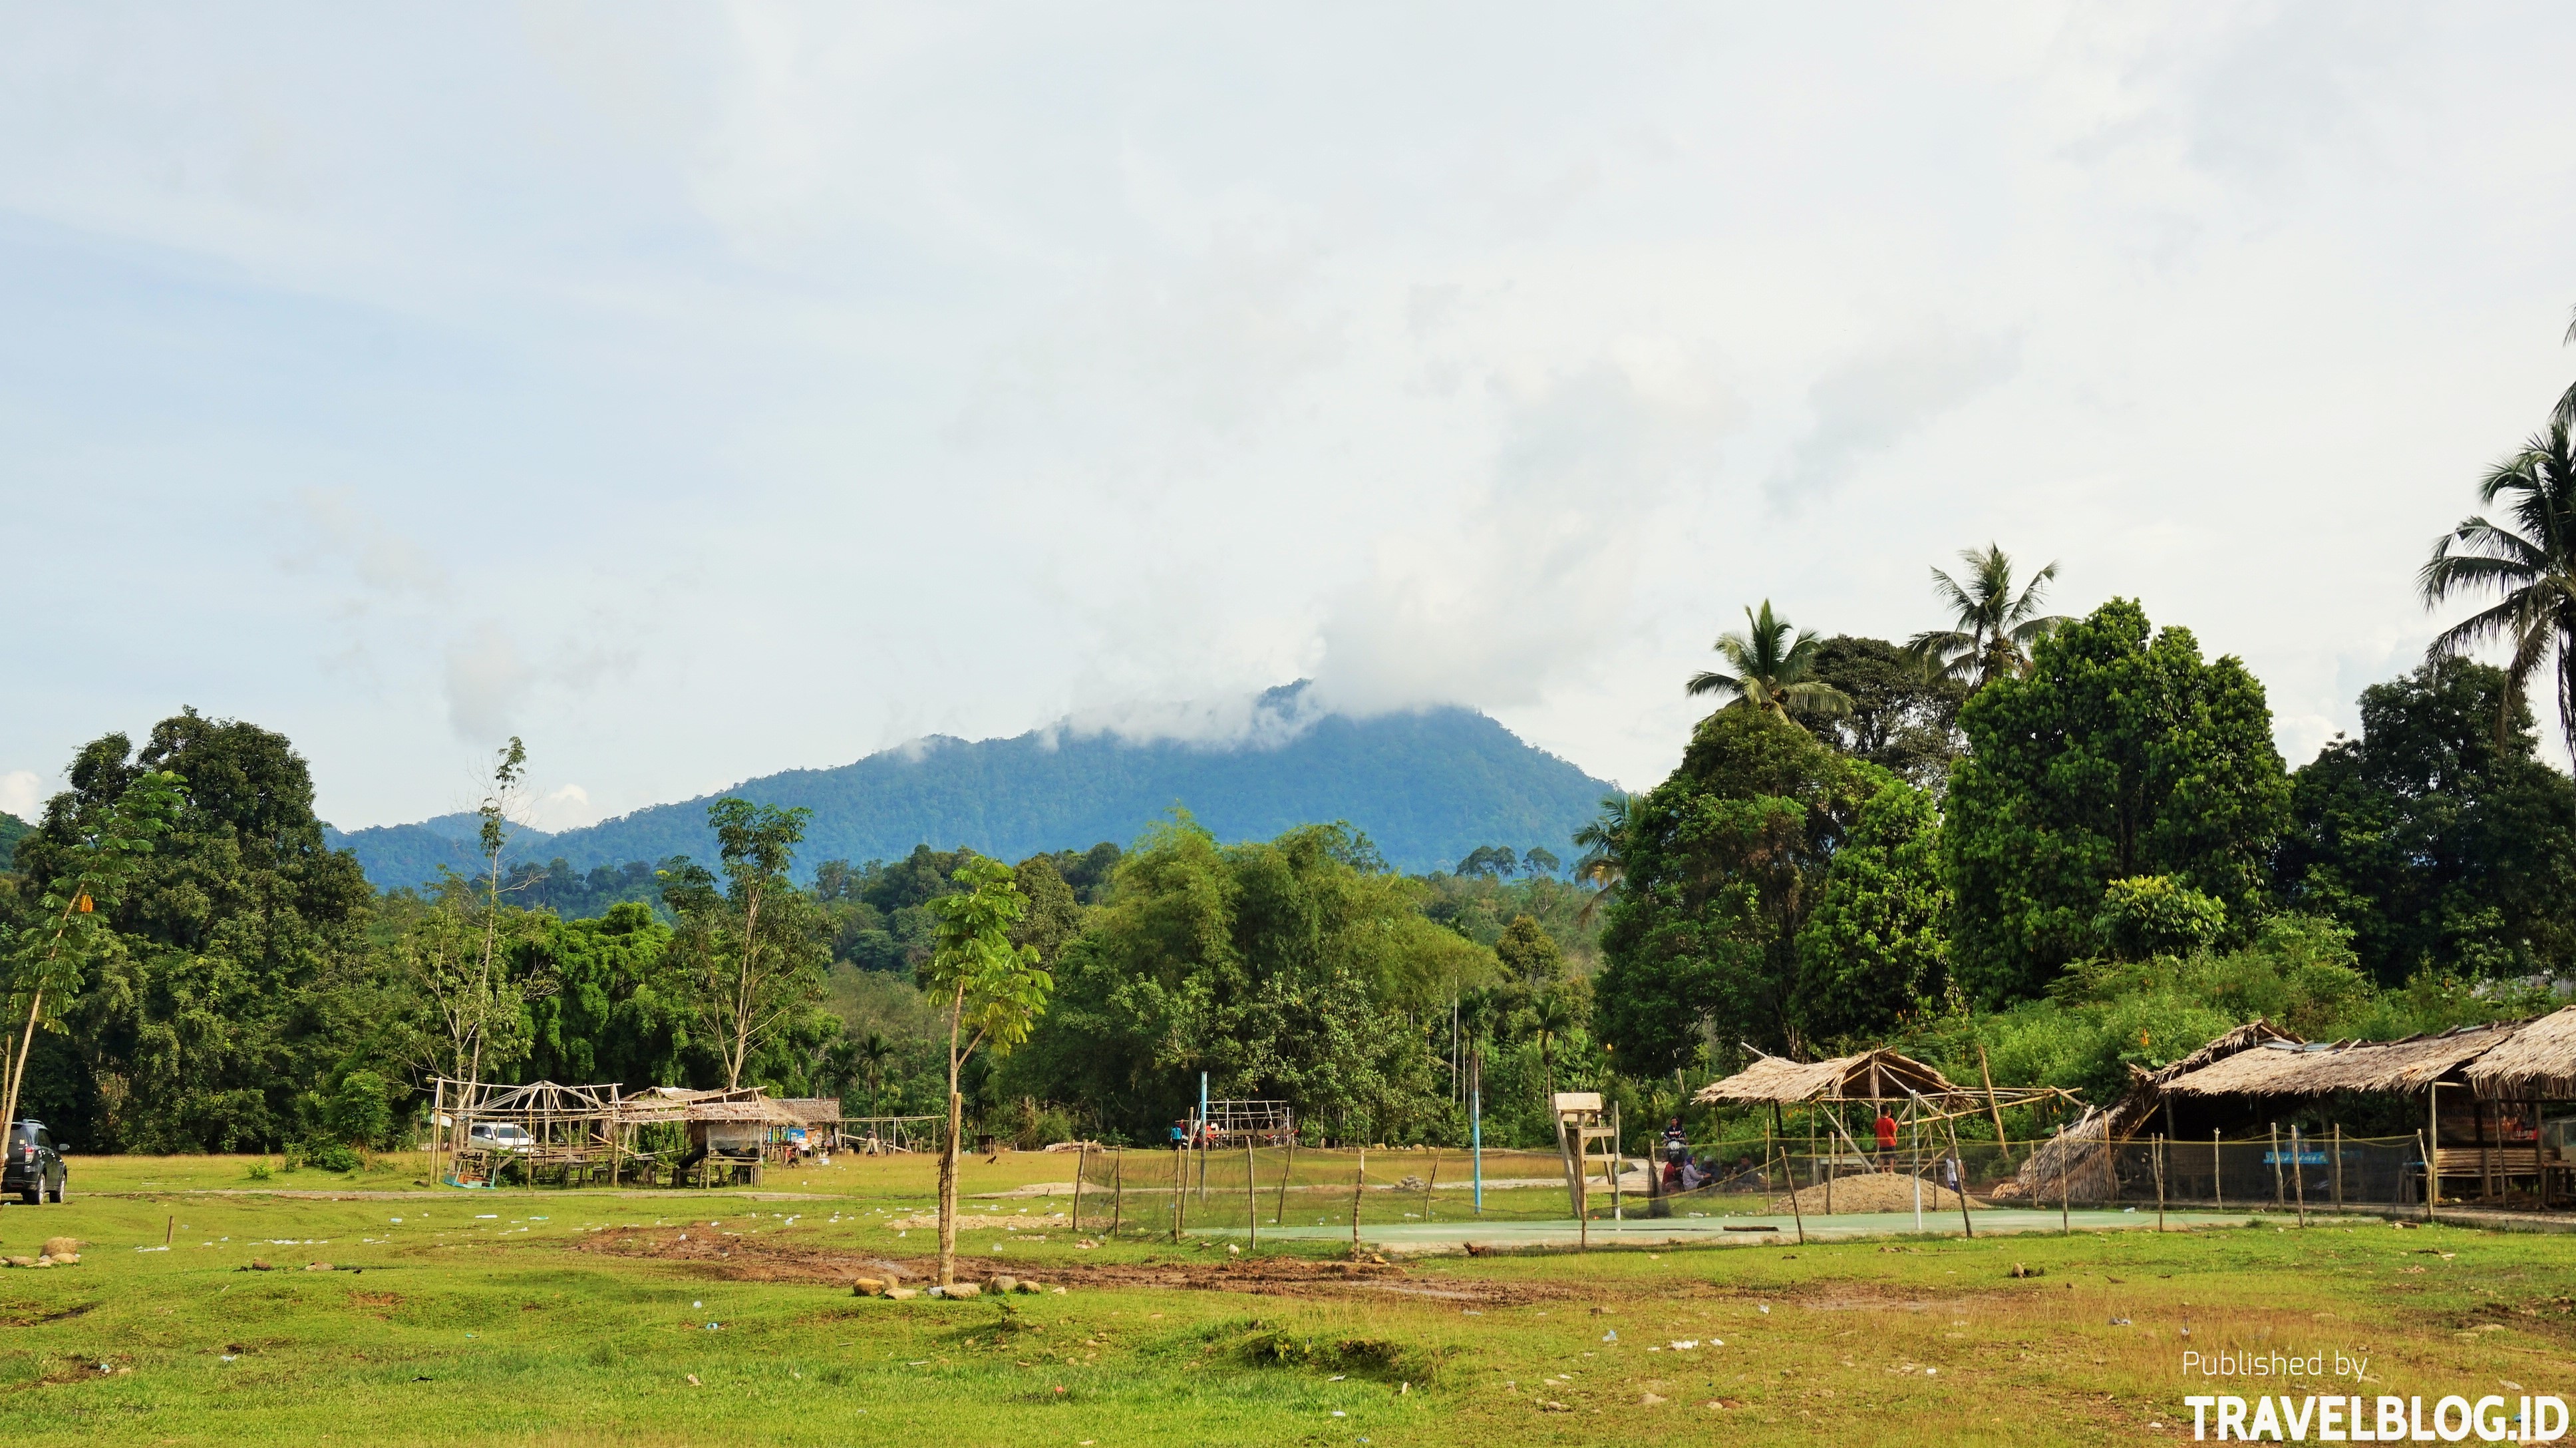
[2489, 1166]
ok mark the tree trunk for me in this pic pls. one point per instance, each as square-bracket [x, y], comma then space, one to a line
[18, 1070]
[948, 1186]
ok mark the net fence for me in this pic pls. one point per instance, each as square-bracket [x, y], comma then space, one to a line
[1302, 1191]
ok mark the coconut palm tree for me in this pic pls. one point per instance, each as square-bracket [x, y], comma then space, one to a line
[1772, 664]
[1600, 866]
[873, 1053]
[1994, 627]
[2529, 559]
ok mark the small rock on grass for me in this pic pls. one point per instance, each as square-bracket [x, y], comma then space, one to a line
[898, 1294]
[61, 1249]
[867, 1287]
[1003, 1282]
[958, 1291]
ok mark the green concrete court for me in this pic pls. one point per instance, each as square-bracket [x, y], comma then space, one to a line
[1724, 1230]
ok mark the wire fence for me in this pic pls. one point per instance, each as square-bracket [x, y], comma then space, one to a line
[1167, 1193]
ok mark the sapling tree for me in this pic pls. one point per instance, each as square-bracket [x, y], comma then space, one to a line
[51, 960]
[993, 992]
[755, 943]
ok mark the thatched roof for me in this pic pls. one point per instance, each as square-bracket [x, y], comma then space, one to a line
[2538, 1064]
[1880, 1075]
[814, 1110]
[2286, 1068]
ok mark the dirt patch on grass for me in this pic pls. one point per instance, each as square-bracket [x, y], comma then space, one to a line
[744, 1260]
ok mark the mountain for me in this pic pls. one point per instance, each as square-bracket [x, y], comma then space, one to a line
[412, 854]
[1426, 787]
[12, 830]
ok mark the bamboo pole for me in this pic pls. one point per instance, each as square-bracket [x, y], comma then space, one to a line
[2065, 1207]
[1081, 1154]
[2431, 1175]
[2299, 1174]
[1790, 1175]
[1287, 1168]
[1959, 1159]
[1117, 1191]
[2159, 1149]
[1251, 1198]
[2338, 1167]
[2278, 1199]
[2217, 1190]
[2430, 1139]
[1430, 1186]
[1992, 1109]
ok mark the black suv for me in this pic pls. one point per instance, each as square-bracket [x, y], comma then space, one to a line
[33, 1169]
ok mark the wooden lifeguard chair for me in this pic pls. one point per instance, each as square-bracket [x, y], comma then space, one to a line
[1580, 1128]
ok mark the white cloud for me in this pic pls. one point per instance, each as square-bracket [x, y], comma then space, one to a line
[699, 393]
[22, 793]
[487, 685]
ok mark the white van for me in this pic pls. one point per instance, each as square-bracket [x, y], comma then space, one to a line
[507, 1136]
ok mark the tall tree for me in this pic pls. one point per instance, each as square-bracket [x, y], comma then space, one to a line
[1725, 862]
[2528, 560]
[755, 948]
[2437, 845]
[246, 984]
[995, 992]
[99, 857]
[1773, 665]
[1904, 714]
[2116, 757]
[1993, 627]
[1876, 950]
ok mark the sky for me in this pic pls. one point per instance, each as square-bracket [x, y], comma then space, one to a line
[699, 391]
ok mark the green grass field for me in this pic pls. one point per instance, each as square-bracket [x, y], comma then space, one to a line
[582, 1317]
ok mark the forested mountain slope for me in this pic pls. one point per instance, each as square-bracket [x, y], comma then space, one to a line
[1426, 787]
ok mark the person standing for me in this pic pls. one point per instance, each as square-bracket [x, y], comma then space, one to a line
[1886, 1140]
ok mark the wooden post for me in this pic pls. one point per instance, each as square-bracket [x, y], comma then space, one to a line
[2432, 1141]
[1959, 1160]
[1287, 1166]
[1359, 1184]
[1117, 1191]
[2065, 1206]
[2338, 1168]
[1180, 1189]
[2217, 1191]
[1791, 1176]
[1430, 1186]
[1618, 1161]
[1251, 1200]
[2278, 1201]
[1081, 1154]
[1811, 1159]
[1993, 1111]
[2431, 1175]
[2159, 1149]
[2299, 1174]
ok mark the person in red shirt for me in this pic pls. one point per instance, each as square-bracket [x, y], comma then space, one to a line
[1886, 1140]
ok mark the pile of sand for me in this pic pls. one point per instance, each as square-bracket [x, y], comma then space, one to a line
[1876, 1192]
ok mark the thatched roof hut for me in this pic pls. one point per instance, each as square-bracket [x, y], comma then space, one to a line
[2322, 1068]
[2537, 1064]
[1880, 1075]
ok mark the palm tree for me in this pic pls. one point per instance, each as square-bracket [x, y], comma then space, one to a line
[1551, 1018]
[1771, 663]
[2530, 559]
[873, 1053]
[1994, 627]
[1600, 866]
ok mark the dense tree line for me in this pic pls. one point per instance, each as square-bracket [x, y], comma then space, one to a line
[2059, 846]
